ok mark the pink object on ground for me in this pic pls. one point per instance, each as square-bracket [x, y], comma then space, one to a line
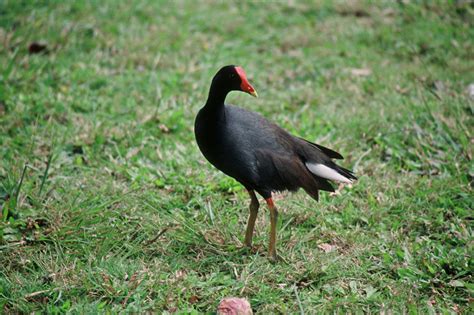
[234, 306]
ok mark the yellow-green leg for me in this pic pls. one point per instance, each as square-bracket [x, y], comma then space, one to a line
[273, 225]
[254, 205]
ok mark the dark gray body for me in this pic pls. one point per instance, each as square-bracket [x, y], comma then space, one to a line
[258, 153]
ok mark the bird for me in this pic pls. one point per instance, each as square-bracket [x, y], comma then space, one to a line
[259, 154]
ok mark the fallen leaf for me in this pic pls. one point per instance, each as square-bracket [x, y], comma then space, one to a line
[456, 283]
[180, 274]
[361, 72]
[132, 152]
[193, 299]
[214, 237]
[431, 302]
[401, 90]
[325, 247]
[36, 48]
[456, 309]
[164, 128]
[234, 306]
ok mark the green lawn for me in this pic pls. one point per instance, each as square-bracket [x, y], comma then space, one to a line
[107, 205]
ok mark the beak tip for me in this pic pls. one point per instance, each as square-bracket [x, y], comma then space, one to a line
[254, 93]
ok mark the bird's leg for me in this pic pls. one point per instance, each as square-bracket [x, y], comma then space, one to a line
[252, 217]
[273, 223]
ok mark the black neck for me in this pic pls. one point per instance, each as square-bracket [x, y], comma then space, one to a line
[216, 96]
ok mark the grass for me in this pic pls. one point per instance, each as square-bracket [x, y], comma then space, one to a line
[107, 204]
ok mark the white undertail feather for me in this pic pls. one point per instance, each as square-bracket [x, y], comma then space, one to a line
[323, 171]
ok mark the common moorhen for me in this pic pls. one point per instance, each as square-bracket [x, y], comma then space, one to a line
[259, 154]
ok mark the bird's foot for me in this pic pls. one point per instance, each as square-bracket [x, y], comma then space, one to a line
[251, 249]
[274, 257]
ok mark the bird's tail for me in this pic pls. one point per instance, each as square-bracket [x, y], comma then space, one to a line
[318, 160]
[331, 171]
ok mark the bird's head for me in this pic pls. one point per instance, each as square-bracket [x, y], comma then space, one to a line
[233, 78]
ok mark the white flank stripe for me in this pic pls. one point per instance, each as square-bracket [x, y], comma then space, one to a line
[327, 172]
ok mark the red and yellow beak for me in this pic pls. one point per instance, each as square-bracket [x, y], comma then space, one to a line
[245, 85]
